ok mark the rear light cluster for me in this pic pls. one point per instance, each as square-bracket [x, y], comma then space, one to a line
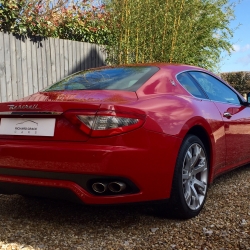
[106, 123]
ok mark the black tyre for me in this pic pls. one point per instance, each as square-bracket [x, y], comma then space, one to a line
[190, 180]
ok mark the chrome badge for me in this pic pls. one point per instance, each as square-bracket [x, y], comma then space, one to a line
[29, 107]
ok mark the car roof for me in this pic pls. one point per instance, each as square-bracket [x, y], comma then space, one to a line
[157, 64]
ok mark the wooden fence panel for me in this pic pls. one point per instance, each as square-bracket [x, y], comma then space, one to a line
[28, 65]
[7, 61]
[2, 71]
[52, 63]
[22, 66]
[13, 62]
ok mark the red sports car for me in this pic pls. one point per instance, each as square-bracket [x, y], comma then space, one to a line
[137, 133]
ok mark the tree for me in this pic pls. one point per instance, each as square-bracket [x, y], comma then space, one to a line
[183, 31]
[15, 15]
[67, 19]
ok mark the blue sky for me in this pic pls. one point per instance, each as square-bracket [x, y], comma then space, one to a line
[240, 58]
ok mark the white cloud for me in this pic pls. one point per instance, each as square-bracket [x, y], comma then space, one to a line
[236, 48]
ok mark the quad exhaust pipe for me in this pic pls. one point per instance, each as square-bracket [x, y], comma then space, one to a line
[99, 187]
[114, 187]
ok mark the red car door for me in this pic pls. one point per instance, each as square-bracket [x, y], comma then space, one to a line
[236, 117]
[237, 130]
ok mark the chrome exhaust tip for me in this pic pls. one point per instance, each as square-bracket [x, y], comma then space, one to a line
[116, 187]
[99, 187]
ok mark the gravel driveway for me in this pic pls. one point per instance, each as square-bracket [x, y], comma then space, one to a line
[224, 223]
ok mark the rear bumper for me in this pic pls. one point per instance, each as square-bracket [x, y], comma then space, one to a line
[29, 167]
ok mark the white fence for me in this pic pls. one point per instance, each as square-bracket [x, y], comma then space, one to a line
[28, 65]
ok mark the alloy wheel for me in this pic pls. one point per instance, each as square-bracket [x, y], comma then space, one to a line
[194, 176]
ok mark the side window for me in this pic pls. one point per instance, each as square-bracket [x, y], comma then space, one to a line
[215, 89]
[187, 82]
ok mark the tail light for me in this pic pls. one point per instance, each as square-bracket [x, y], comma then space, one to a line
[106, 123]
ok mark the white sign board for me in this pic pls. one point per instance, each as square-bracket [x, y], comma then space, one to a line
[28, 126]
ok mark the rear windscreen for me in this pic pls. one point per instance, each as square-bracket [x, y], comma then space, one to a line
[121, 78]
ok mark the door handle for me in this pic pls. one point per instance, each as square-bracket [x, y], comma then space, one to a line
[227, 115]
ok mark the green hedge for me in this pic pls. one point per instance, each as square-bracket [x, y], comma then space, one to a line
[239, 80]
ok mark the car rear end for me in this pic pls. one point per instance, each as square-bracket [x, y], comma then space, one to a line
[90, 146]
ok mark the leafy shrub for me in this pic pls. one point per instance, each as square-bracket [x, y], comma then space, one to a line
[239, 80]
[79, 20]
